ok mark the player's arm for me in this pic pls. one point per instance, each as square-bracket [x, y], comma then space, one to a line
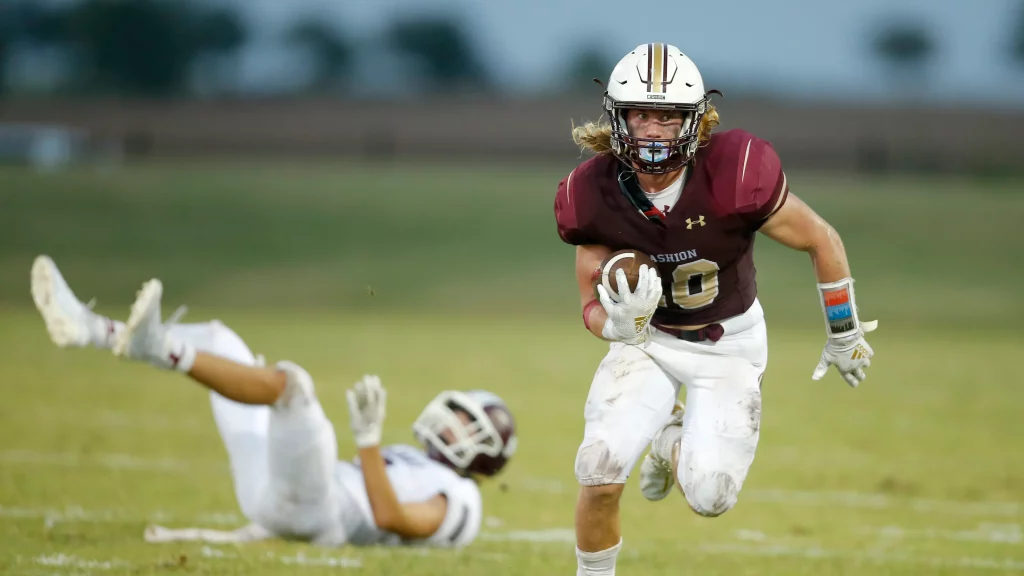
[588, 260]
[799, 227]
[589, 254]
[412, 520]
[625, 321]
[367, 401]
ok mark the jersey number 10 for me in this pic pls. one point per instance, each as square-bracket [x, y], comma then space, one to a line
[694, 285]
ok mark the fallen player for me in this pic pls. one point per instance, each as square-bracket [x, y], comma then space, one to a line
[282, 449]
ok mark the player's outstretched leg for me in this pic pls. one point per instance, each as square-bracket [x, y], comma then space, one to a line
[146, 338]
[299, 498]
[70, 323]
[243, 427]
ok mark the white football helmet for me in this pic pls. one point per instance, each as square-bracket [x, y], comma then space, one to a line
[655, 76]
[482, 445]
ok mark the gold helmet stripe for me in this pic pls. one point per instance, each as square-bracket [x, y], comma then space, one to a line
[657, 58]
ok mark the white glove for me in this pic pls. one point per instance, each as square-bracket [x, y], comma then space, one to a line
[629, 320]
[366, 408]
[850, 355]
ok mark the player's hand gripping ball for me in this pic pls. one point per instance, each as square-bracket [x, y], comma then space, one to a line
[629, 261]
[629, 289]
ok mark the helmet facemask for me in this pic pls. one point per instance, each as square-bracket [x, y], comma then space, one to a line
[475, 445]
[655, 155]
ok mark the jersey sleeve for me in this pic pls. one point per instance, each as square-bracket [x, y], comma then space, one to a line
[572, 227]
[763, 187]
[463, 515]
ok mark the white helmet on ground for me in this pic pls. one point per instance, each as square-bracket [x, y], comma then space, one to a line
[655, 76]
[479, 441]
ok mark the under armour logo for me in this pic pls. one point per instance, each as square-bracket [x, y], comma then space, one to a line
[690, 223]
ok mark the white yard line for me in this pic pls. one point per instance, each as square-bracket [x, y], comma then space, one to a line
[119, 420]
[870, 500]
[815, 553]
[301, 559]
[76, 513]
[70, 561]
[298, 559]
[810, 498]
[550, 535]
[563, 536]
[987, 532]
[829, 499]
[109, 460]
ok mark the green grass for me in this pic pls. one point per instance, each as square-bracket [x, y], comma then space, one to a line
[916, 472]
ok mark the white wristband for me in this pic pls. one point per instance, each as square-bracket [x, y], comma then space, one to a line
[608, 330]
[840, 308]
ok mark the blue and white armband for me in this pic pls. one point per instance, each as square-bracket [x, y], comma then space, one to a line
[840, 307]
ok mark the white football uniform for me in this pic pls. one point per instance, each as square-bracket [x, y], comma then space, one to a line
[635, 389]
[289, 480]
[416, 478]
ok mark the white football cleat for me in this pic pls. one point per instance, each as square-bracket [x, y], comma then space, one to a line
[656, 474]
[144, 337]
[69, 322]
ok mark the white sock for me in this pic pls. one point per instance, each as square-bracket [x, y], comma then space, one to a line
[178, 354]
[103, 331]
[597, 563]
[666, 440]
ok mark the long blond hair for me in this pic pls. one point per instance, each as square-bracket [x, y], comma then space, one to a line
[596, 137]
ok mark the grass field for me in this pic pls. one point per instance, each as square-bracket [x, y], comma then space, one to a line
[440, 278]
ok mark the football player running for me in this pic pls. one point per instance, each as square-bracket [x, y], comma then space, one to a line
[661, 183]
[288, 480]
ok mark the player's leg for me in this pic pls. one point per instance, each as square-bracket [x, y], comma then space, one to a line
[212, 354]
[299, 496]
[629, 400]
[146, 338]
[719, 435]
[658, 469]
[69, 322]
[243, 427]
[302, 496]
[713, 449]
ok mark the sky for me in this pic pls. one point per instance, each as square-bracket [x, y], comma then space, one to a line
[794, 47]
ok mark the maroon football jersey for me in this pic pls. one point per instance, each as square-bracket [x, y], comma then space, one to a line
[704, 245]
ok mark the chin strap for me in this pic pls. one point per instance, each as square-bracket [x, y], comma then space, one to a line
[631, 190]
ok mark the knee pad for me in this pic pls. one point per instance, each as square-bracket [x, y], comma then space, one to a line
[299, 386]
[711, 493]
[597, 465]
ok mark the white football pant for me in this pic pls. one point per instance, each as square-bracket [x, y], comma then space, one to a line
[633, 393]
[283, 457]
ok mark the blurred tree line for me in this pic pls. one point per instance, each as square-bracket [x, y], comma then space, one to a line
[159, 48]
[906, 47]
[140, 47]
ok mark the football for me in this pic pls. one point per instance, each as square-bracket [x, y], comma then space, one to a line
[629, 261]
